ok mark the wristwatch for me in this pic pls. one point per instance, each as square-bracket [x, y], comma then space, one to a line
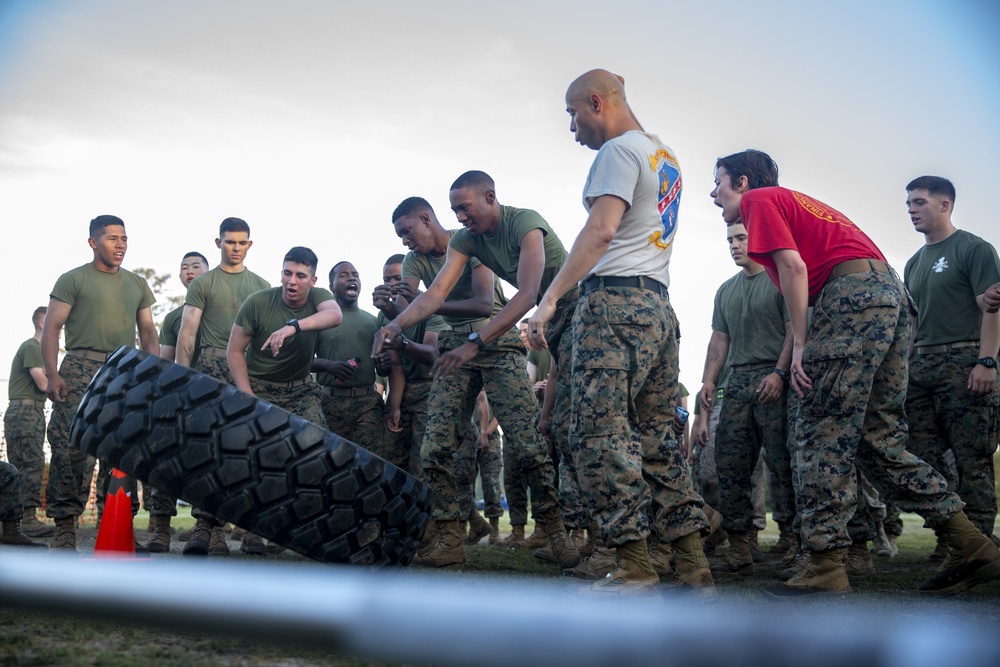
[405, 341]
[294, 323]
[782, 374]
[474, 337]
[989, 362]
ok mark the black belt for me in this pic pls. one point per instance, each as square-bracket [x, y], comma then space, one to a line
[638, 282]
[746, 368]
[938, 349]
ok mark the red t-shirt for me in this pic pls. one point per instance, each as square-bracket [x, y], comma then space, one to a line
[782, 219]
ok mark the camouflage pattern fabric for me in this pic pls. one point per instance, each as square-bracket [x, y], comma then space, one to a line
[10, 493]
[515, 486]
[359, 419]
[500, 369]
[856, 356]
[572, 504]
[624, 387]
[305, 400]
[24, 430]
[216, 367]
[705, 475]
[403, 449]
[68, 465]
[487, 463]
[745, 426]
[944, 415]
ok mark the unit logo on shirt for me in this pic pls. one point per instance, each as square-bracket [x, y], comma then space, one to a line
[668, 171]
[821, 210]
[940, 265]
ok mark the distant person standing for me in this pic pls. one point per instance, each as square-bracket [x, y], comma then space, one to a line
[849, 367]
[24, 426]
[345, 369]
[101, 306]
[952, 396]
[210, 308]
[163, 506]
[624, 364]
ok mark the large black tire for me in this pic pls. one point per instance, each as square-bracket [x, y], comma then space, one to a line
[250, 462]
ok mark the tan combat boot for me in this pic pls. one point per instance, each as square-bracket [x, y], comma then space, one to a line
[494, 530]
[739, 558]
[478, 527]
[786, 538]
[12, 536]
[884, 546]
[859, 564]
[693, 572]
[201, 536]
[447, 551]
[578, 536]
[251, 544]
[429, 538]
[659, 557]
[539, 538]
[633, 575]
[974, 559]
[565, 553]
[596, 566]
[161, 535]
[515, 540]
[65, 537]
[32, 527]
[824, 575]
[941, 549]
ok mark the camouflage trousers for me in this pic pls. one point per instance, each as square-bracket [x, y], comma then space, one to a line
[745, 426]
[706, 477]
[515, 486]
[500, 369]
[470, 460]
[10, 493]
[624, 388]
[67, 466]
[305, 400]
[403, 449]
[359, 419]
[944, 415]
[572, 504]
[24, 430]
[856, 356]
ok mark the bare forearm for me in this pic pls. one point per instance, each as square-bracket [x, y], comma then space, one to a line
[715, 359]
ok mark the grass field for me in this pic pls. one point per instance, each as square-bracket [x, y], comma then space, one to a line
[29, 638]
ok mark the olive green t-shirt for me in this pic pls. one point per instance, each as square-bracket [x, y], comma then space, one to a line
[352, 338]
[104, 307]
[171, 329]
[22, 385]
[261, 315]
[542, 359]
[219, 296]
[501, 250]
[751, 311]
[415, 370]
[426, 267]
[944, 280]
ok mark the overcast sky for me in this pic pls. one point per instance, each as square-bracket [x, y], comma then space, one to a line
[312, 121]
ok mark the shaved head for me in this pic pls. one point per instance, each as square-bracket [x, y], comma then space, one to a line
[609, 87]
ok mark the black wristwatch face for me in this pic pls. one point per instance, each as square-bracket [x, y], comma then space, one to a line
[294, 323]
[989, 362]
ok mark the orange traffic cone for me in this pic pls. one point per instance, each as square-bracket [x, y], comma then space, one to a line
[115, 537]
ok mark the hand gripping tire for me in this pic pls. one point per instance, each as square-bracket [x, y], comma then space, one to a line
[250, 462]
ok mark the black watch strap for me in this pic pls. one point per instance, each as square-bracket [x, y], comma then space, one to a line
[294, 323]
[782, 374]
[989, 362]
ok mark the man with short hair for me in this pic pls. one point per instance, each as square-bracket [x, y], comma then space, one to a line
[518, 246]
[101, 306]
[752, 336]
[24, 426]
[210, 308]
[276, 334]
[624, 366]
[416, 352]
[345, 369]
[952, 395]
[849, 367]
[163, 506]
